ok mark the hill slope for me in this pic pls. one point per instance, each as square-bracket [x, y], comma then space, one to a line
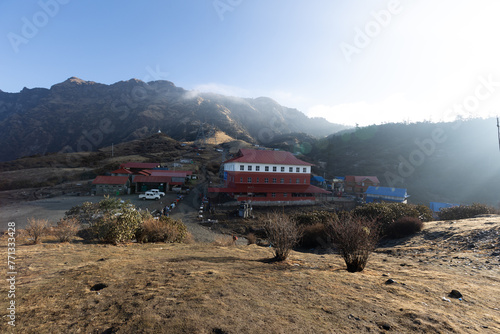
[78, 115]
[202, 288]
[445, 162]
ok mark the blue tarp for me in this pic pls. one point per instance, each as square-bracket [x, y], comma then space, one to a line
[375, 194]
[436, 206]
[387, 191]
[317, 179]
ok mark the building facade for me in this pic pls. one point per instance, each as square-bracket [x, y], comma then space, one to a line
[267, 176]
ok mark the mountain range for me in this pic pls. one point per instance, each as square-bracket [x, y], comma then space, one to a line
[77, 115]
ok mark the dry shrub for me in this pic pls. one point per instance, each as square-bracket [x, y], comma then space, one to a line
[283, 234]
[356, 237]
[155, 230]
[66, 229]
[36, 229]
[404, 227]
[251, 239]
[164, 229]
[314, 236]
[189, 239]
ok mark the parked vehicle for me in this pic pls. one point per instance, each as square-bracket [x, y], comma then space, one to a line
[149, 195]
[156, 191]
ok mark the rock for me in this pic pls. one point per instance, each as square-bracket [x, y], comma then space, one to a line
[390, 281]
[455, 294]
[98, 286]
[385, 275]
[385, 326]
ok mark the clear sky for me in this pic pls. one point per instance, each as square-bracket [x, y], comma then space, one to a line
[352, 62]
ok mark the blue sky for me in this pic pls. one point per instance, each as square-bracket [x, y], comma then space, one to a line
[364, 62]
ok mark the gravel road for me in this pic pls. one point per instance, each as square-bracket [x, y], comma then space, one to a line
[54, 209]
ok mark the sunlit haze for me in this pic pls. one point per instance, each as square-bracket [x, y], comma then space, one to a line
[363, 62]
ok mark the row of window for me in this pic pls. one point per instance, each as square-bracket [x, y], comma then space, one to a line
[275, 169]
[274, 180]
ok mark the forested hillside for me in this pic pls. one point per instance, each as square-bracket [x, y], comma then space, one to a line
[455, 162]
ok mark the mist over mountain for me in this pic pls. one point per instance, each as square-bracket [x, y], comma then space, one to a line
[78, 115]
[457, 162]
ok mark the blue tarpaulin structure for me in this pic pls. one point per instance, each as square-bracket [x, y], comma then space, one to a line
[386, 194]
[436, 206]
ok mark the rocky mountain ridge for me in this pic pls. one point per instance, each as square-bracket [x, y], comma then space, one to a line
[78, 115]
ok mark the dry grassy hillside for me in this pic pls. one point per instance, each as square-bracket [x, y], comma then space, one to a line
[204, 288]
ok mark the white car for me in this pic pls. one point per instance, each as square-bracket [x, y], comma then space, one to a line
[149, 195]
[156, 191]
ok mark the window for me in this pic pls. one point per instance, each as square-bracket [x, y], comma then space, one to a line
[305, 181]
[285, 194]
[249, 168]
[290, 169]
[249, 180]
[241, 179]
[297, 169]
[266, 168]
[304, 169]
[282, 181]
[242, 167]
[282, 169]
[257, 168]
[297, 181]
[274, 180]
[257, 180]
[266, 180]
[290, 181]
[274, 169]
[273, 194]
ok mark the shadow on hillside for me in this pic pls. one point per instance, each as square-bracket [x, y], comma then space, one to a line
[211, 259]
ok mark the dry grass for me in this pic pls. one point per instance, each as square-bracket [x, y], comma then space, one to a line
[224, 241]
[202, 288]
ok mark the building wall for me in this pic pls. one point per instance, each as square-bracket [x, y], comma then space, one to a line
[266, 168]
[233, 178]
[110, 189]
[359, 187]
[274, 197]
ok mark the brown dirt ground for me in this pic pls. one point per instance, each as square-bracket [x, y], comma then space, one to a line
[204, 288]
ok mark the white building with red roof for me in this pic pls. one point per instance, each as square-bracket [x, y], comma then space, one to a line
[267, 176]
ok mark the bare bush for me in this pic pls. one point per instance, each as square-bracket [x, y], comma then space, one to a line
[356, 237]
[66, 229]
[283, 234]
[156, 230]
[404, 227]
[36, 229]
[164, 229]
[251, 239]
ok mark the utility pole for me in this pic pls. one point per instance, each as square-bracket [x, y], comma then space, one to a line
[498, 127]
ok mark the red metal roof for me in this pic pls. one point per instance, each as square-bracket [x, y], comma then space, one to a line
[110, 180]
[243, 188]
[143, 165]
[175, 173]
[267, 157]
[152, 179]
[359, 179]
[121, 171]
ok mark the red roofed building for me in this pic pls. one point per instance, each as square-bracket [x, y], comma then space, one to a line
[359, 184]
[121, 172]
[138, 166]
[115, 185]
[267, 176]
